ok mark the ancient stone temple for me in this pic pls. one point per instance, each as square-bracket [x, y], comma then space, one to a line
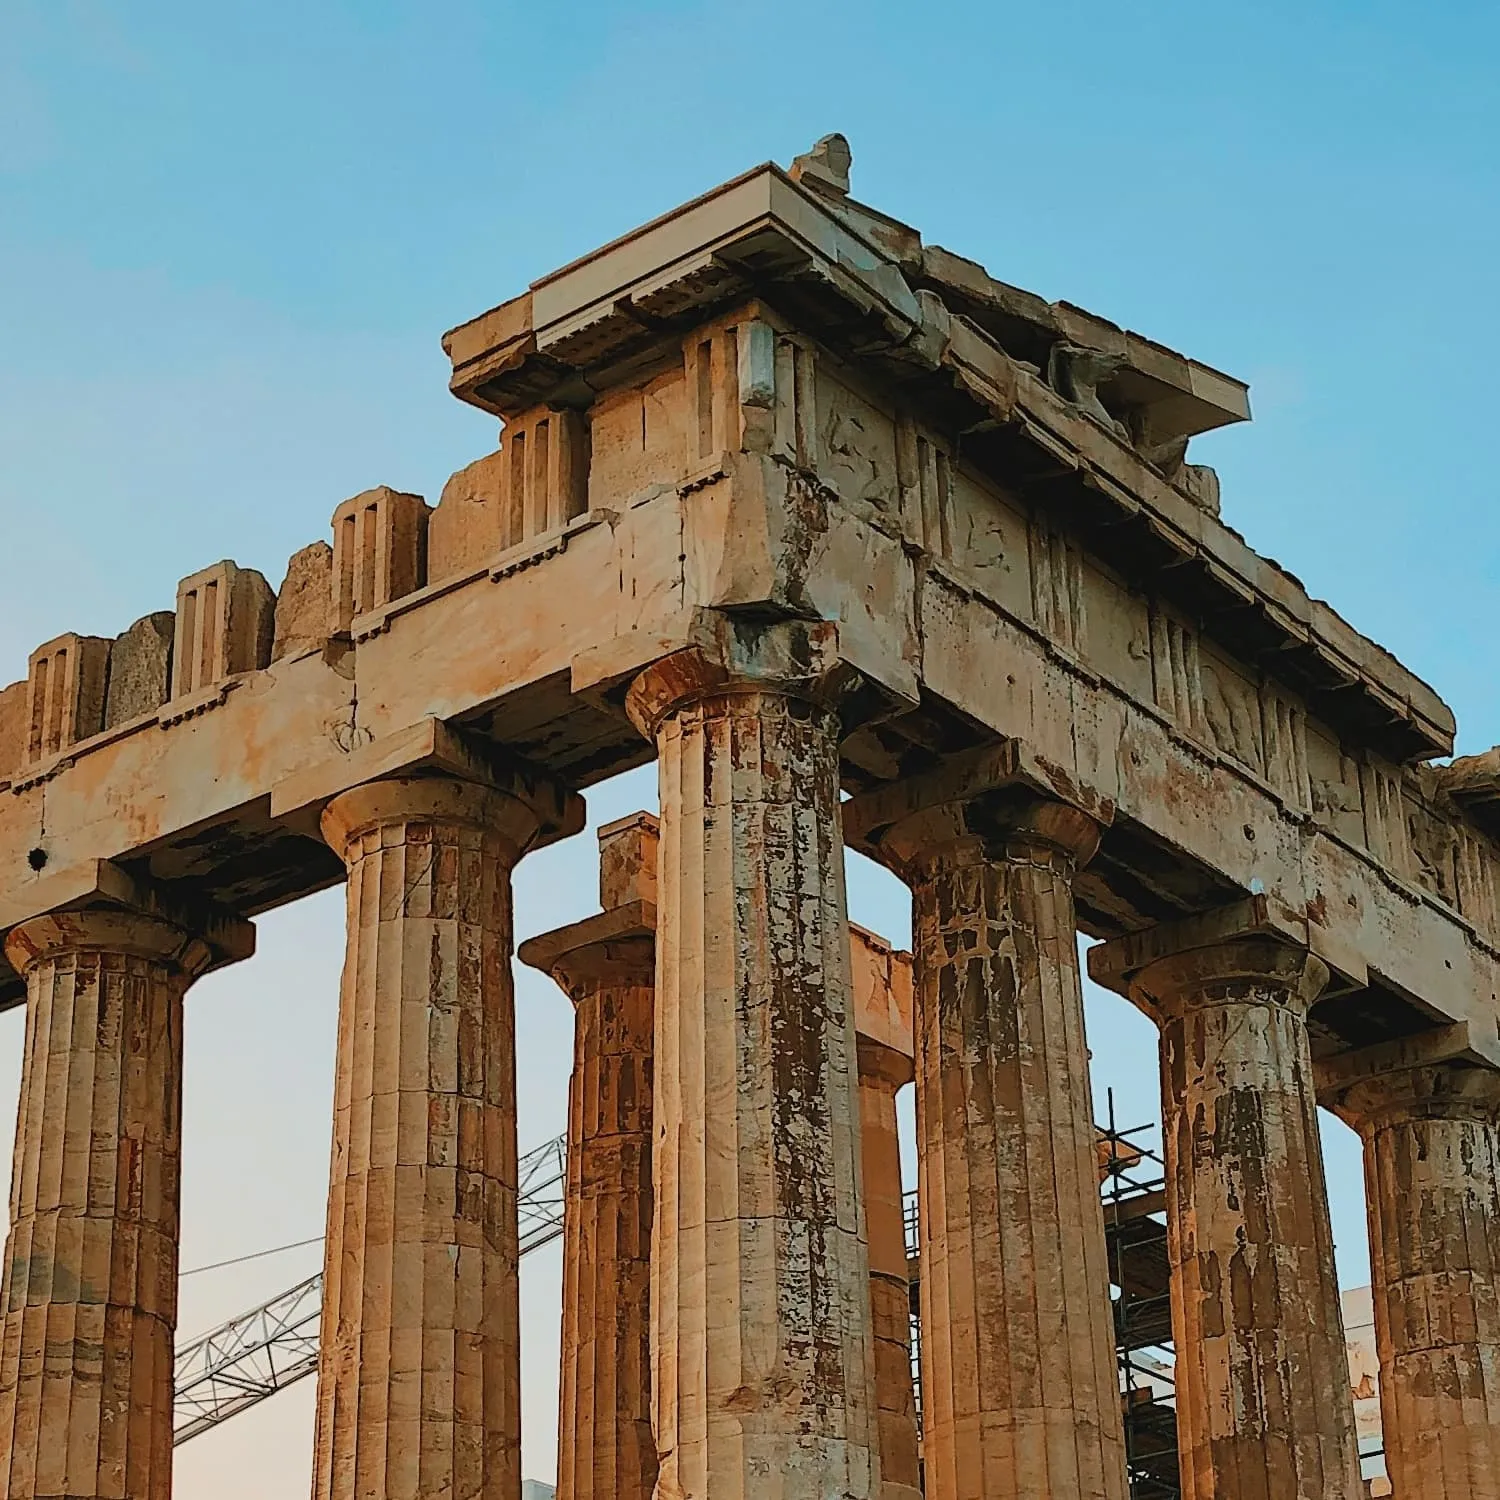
[865, 548]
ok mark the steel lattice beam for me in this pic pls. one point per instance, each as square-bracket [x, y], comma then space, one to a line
[251, 1357]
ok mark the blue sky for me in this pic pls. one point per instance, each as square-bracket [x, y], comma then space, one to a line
[231, 236]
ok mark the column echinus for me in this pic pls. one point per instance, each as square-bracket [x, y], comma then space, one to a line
[607, 965]
[761, 1342]
[1020, 1394]
[419, 1376]
[1264, 1406]
[90, 1288]
[1431, 1138]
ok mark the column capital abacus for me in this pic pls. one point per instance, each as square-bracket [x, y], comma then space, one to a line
[997, 802]
[612, 947]
[523, 809]
[616, 946]
[129, 916]
[1244, 951]
[1431, 1091]
[731, 654]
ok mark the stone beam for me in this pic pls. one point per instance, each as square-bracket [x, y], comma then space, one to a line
[763, 229]
[1002, 560]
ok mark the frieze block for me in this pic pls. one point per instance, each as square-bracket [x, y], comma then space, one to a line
[66, 681]
[379, 551]
[226, 622]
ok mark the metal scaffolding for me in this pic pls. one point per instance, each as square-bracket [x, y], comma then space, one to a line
[1135, 1231]
[263, 1351]
[1133, 1186]
[242, 1362]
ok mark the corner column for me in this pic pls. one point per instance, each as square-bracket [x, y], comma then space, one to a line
[90, 1284]
[607, 966]
[761, 1344]
[1020, 1391]
[419, 1377]
[1263, 1399]
[1432, 1180]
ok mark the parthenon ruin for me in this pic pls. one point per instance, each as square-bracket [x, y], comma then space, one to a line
[866, 549]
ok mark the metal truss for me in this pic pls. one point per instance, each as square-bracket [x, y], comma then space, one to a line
[242, 1362]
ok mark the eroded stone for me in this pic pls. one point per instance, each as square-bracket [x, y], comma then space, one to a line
[140, 669]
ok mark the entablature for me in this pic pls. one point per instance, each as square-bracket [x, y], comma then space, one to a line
[764, 236]
[746, 408]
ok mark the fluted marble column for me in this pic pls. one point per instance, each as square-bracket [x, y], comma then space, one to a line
[1432, 1181]
[1020, 1392]
[761, 1343]
[418, 1384]
[607, 965]
[1263, 1396]
[90, 1286]
[883, 1072]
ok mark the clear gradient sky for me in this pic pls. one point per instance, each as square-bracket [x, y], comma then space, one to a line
[231, 235]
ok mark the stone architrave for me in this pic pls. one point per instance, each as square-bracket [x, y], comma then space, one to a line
[89, 1305]
[1262, 1377]
[607, 966]
[419, 1376]
[1432, 1180]
[1020, 1394]
[761, 1340]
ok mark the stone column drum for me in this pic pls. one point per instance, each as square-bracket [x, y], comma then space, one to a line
[1263, 1396]
[1020, 1394]
[418, 1384]
[1432, 1180]
[761, 1344]
[883, 1071]
[90, 1286]
[607, 965]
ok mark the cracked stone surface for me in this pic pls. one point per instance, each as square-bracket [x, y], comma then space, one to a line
[1263, 1404]
[419, 1380]
[760, 1282]
[1432, 1179]
[90, 1289]
[1020, 1394]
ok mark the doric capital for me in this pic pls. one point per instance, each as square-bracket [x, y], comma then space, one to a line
[1236, 953]
[993, 803]
[613, 947]
[111, 930]
[522, 811]
[732, 654]
[1441, 1091]
[617, 946]
[881, 1063]
[1251, 968]
[99, 907]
